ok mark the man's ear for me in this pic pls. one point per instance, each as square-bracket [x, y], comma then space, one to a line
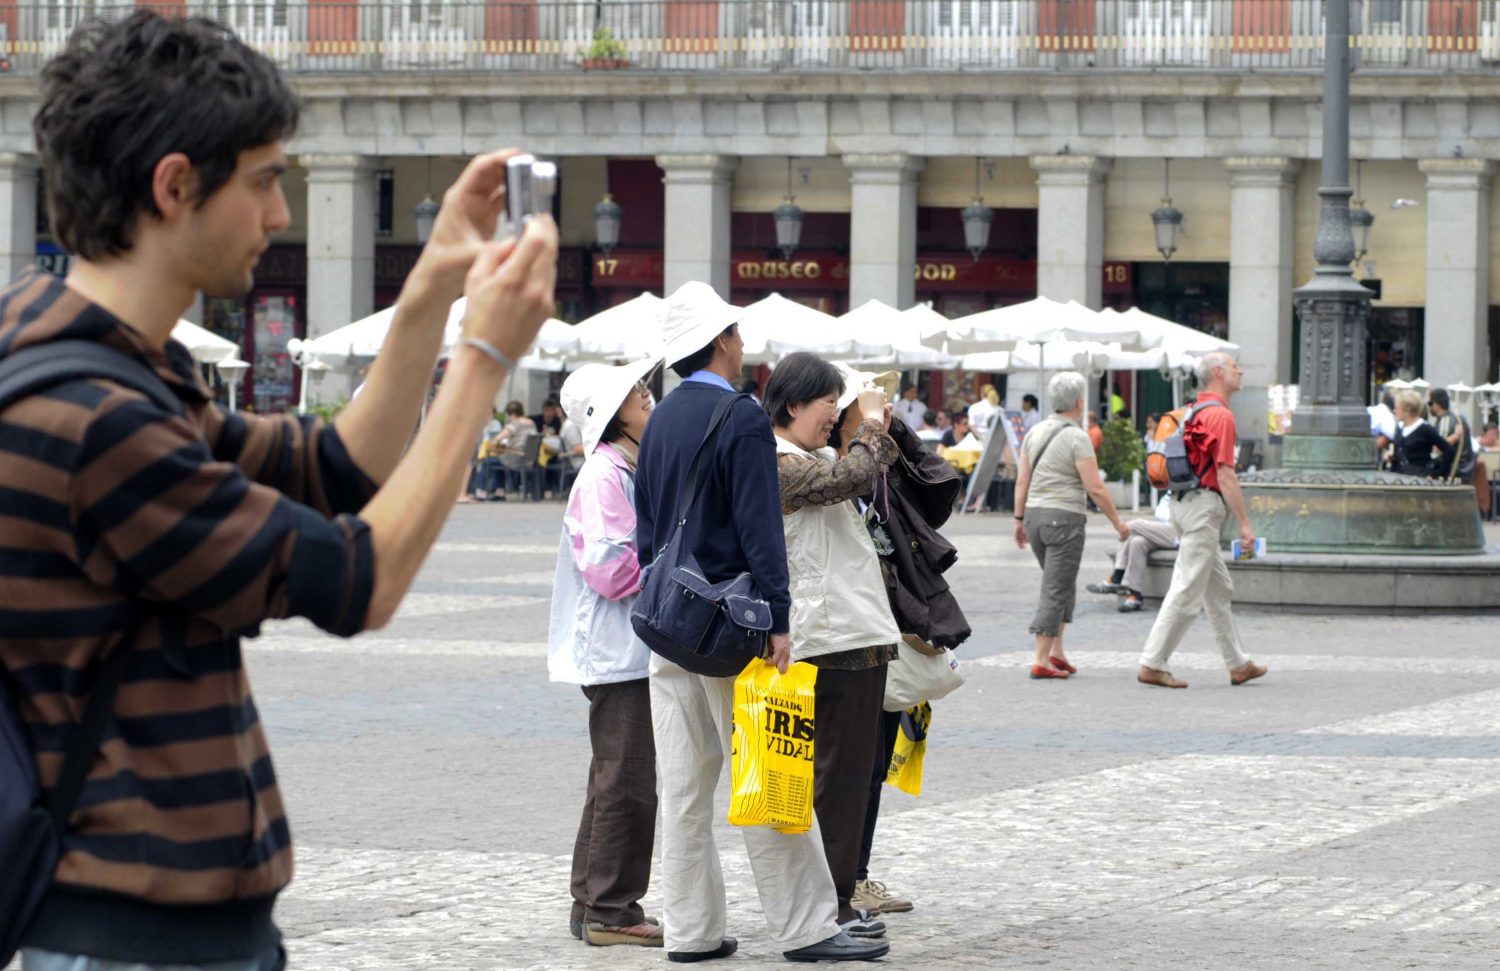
[174, 186]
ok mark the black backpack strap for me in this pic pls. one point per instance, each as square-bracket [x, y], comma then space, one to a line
[86, 737]
[35, 369]
[705, 448]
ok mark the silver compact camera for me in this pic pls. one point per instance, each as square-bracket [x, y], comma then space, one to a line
[529, 188]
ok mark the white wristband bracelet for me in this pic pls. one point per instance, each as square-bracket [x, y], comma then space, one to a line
[491, 351]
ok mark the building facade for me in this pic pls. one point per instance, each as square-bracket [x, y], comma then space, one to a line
[882, 119]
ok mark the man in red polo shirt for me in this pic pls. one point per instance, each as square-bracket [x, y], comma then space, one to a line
[1200, 579]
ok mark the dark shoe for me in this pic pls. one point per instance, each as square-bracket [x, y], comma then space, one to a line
[725, 949]
[1039, 673]
[840, 947]
[863, 926]
[1062, 665]
[575, 927]
[646, 934]
[1162, 679]
[1248, 671]
[1105, 587]
[1131, 604]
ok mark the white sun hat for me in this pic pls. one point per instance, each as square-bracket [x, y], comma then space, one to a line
[594, 393]
[887, 381]
[692, 317]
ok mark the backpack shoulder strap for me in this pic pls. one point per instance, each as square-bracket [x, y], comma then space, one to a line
[86, 737]
[44, 366]
[706, 447]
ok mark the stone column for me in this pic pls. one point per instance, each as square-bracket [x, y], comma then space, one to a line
[1456, 329]
[697, 219]
[1070, 227]
[1260, 280]
[18, 216]
[340, 240]
[883, 228]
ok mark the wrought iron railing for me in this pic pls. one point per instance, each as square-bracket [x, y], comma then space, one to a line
[809, 35]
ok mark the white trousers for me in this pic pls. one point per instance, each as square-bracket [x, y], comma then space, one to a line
[692, 717]
[1200, 581]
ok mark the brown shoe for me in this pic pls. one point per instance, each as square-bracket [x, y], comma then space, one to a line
[1248, 671]
[1162, 679]
[648, 934]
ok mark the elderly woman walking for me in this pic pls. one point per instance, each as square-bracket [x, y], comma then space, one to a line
[591, 644]
[1058, 473]
[841, 618]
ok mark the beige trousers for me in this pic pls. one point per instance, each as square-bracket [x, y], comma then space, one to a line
[1200, 581]
[693, 720]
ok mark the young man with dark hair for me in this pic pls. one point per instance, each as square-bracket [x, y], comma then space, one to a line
[171, 532]
[731, 529]
[1455, 431]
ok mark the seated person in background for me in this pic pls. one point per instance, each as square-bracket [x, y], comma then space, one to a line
[1416, 440]
[549, 422]
[1383, 421]
[934, 424]
[1030, 412]
[504, 451]
[572, 444]
[958, 428]
[1096, 435]
[1130, 560]
[1489, 438]
[1455, 430]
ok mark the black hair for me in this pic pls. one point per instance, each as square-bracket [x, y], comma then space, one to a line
[1389, 400]
[799, 378]
[749, 387]
[551, 403]
[929, 417]
[1035, 404]
[699, 359]
[959, 416]
[1439, 397]
[124, 95]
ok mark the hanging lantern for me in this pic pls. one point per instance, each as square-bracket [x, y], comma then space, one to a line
[607, 215]
[1167, 219]
[425, 213]
[1360, 221]
[977, 218]
[788, 218]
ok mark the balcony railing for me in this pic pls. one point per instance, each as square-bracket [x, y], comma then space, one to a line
[322, 36]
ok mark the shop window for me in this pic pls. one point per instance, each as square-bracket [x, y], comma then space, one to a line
[385, 203]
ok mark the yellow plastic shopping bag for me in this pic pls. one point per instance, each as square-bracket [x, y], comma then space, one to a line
[911, 748]
[771, 766]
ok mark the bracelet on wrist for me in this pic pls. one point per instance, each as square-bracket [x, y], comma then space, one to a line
[490, 351]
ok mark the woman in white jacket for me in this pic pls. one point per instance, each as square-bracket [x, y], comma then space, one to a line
[591, 643]
[841, 617]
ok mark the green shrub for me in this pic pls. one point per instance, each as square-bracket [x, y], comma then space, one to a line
[606, 47]
[1123, 452]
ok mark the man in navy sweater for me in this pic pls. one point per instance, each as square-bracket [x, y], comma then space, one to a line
[734, 526]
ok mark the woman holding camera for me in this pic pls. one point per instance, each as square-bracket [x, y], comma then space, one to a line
[841, 617]
[591, 643]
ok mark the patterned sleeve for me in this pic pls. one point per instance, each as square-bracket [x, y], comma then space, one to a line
[302, 457]
[819, 482]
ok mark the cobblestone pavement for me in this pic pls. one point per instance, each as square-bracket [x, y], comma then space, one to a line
[1340, 813]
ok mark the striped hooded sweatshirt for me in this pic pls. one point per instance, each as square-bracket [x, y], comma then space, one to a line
[190, 530]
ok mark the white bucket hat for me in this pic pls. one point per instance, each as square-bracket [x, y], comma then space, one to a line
[887, 381]
[593, 394]
[692, 317]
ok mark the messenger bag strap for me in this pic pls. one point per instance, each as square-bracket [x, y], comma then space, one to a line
[86, 737]
[705, 448]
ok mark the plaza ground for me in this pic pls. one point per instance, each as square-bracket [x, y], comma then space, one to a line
[1340, 813]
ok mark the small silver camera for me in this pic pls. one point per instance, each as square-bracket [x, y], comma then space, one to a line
[529, 188]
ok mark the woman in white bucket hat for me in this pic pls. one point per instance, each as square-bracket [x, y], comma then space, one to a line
[591, 644]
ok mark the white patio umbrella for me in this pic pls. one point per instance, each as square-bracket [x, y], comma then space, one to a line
[205, 346]
[627, 332]
[1040, 321]
[775, 327]
[874, 322]
[1169, 335]
[362, 340]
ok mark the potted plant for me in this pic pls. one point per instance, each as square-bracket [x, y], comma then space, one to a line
[1121, 454]
[605, 53]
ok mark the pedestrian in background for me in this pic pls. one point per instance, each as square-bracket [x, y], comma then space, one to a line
[1058, 474]
[1418, 449]
[170, 528]
[726, 530]
[1200, 579]
[1455, 431]
[841, 619]
[912, 409]
[591, 643]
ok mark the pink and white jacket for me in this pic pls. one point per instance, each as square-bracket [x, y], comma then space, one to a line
[590, 640]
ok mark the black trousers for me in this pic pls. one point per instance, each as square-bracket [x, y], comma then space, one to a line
[612, 856]
[848, 712]
[889, 729]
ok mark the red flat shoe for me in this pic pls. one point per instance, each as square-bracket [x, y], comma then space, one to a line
[1039, 673]
[1062, 665]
